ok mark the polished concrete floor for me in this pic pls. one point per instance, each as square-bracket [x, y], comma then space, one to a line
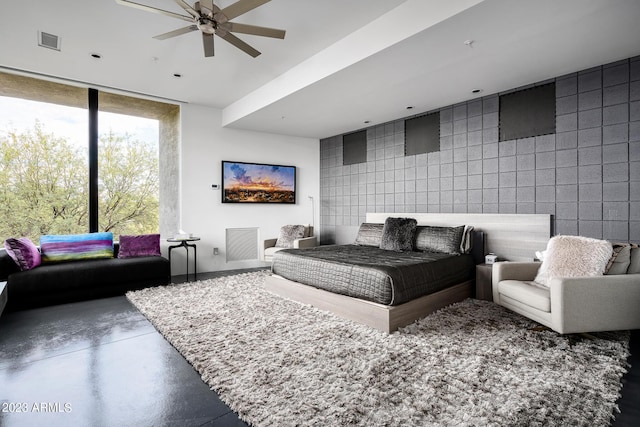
[98, 363]
[101, 363]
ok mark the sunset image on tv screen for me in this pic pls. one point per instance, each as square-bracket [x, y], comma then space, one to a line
[258, 183]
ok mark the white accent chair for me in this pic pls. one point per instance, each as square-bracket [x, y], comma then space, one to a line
[571, 305]
[307, 241]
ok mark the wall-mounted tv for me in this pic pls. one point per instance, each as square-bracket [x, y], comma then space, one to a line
[258, 183]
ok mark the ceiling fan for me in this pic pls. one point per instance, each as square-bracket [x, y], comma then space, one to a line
[210, 19]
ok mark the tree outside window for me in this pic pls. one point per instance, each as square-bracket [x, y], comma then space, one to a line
[44, 172]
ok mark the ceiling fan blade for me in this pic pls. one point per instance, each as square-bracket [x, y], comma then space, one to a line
[240, 7]
[208, 5]
[178, 32]
[256, 30]
[238, 43]
[154, 10]
[207, 42]
[188, 8]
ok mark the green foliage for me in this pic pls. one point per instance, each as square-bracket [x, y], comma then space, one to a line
[128, 185]
[44, 185]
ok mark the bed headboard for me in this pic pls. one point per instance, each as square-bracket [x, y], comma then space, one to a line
[513, 237]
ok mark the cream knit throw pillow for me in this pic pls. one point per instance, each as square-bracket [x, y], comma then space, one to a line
[574, 256]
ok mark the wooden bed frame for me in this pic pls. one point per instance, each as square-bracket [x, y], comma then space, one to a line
[385, 318]
[514, 231]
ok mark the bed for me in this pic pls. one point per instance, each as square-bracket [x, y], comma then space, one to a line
[385, 289]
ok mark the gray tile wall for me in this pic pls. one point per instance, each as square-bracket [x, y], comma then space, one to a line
[587, 174]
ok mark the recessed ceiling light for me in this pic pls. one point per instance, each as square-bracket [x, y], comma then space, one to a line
[366, 122]
[410, 107]
[96, 55]
[177, 75]
[476, 91]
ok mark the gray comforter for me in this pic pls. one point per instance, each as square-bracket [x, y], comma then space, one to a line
[373, 274]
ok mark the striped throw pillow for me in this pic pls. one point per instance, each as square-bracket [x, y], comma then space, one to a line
[74, 247]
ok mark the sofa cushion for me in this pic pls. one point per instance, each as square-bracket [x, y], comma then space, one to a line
[620, 259]
[268, 252]
[308, 230]
[527, 293]
[369, 234]
[398, 234]
[447, 240]
[289, 233]
[574, 256]
[139, 245]
[7, 265]
[96, 278]
[23, 252]
[76, 247]
[634, 263]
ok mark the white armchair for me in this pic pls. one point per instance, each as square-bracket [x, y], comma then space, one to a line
[307, 241]
[571, 305]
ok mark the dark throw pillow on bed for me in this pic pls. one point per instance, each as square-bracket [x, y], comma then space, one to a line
[369, 234]
[439, 239]
[397, 234]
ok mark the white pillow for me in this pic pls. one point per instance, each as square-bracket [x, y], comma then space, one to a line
[289, 233]
[574, 256]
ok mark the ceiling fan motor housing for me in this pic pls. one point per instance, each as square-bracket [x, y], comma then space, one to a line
[206, 25]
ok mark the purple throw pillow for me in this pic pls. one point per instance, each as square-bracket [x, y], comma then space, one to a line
[140, 245]
[25, 254]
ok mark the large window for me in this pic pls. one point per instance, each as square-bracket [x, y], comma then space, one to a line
[128, 181]
[43, 169]
[46, 161]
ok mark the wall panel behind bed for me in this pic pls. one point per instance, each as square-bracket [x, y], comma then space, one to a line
[514, 237]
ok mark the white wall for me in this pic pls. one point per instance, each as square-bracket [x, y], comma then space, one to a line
[204, 145]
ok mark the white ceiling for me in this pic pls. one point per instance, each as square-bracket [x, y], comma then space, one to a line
[342, 62]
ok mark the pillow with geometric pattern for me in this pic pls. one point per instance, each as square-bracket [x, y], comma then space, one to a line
[23, 252]
[446, 240]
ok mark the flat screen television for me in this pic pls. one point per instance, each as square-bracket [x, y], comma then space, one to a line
[258, 183]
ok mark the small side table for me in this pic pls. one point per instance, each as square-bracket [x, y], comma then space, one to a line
[484, 276]
[185, 243]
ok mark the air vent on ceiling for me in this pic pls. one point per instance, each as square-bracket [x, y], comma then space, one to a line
[48, 40]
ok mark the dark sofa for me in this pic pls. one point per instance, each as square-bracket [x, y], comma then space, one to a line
[58, 283]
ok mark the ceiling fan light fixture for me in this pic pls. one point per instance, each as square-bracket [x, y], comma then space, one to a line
[207, 26]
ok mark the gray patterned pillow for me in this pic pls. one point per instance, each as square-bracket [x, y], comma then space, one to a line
[439, 239]
[289, 233]
[398, 233]
[369, 234]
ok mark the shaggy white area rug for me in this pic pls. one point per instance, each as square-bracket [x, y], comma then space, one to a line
[280, 363]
